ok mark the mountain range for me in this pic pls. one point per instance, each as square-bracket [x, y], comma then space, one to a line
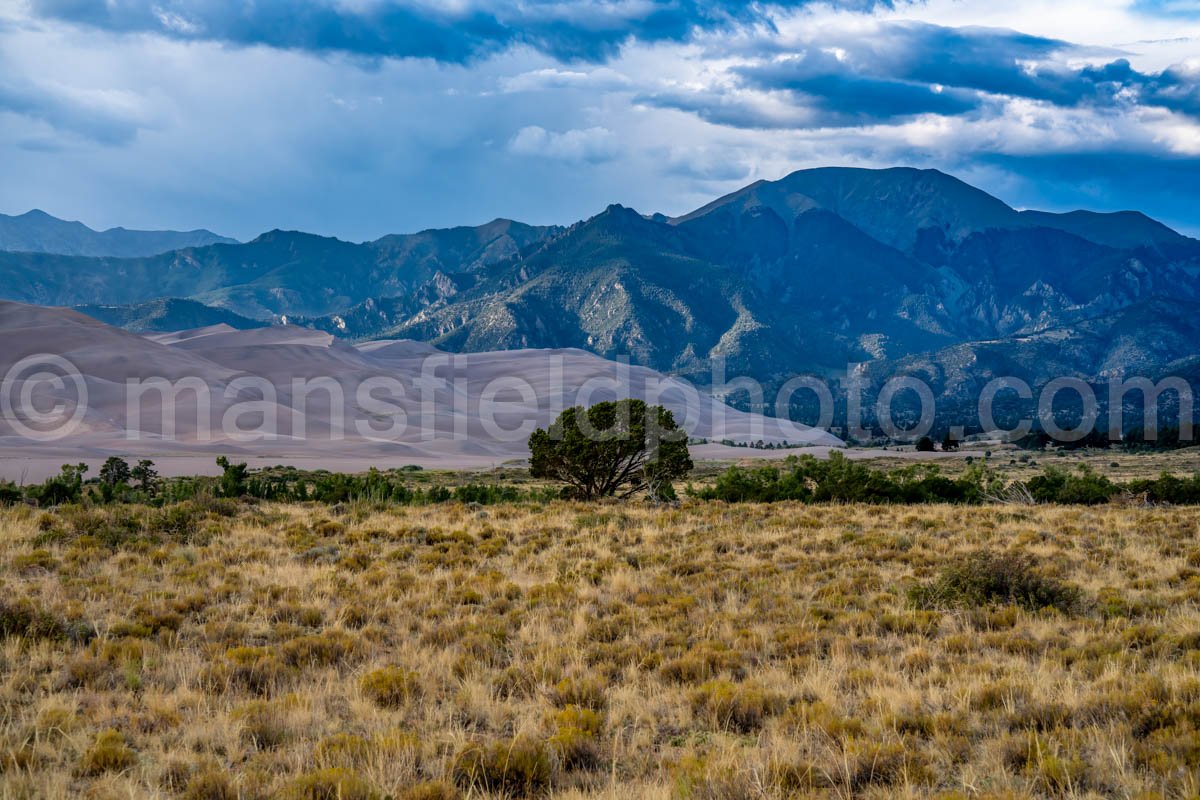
[904, 270]
[38, 232]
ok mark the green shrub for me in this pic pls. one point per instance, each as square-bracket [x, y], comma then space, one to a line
[739, 707]
[1168, 489]
[391, 687]
[576, 737]
[1059, 486]
[10, 493]
[109, 753]
[64, 488]
[320, 650]
[328, 784]
[342, 750]
[983, 578]
[210, 785]
[514, 768]
[25, 620]
[430, 790]
[251, 669]
[262, 726]
[584, 692]
[841, 480]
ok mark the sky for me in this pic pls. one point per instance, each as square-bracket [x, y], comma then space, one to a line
[359, 118]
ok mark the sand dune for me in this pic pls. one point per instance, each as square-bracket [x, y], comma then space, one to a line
[291, 393]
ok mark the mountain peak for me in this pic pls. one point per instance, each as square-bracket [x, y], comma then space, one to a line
[893, 205]
[618, 217]
[278, 235]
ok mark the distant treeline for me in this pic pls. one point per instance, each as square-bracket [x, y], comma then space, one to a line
[840, 480]
[798, 478]
[117, 484]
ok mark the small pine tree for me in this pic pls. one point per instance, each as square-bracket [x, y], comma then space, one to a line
[146, 475]
[115, 472]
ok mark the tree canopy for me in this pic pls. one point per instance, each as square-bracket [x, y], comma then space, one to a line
[614, 448]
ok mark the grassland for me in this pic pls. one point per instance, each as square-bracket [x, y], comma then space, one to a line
[222, 649]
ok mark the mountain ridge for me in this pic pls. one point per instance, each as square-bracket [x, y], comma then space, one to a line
[811, 273]
[36, 231]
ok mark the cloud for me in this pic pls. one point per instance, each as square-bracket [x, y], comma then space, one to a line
[873, 71]
[105, 117]
[244, 116]
[592, 145]
[549, 78]
[826, 81]
[459, 32]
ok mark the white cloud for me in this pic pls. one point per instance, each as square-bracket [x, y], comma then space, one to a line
[591, 145]
[549, 78]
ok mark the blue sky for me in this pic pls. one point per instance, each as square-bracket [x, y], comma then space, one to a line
[357, 118]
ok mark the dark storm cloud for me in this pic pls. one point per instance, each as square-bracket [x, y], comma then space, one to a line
[848, 96]
[588, 30]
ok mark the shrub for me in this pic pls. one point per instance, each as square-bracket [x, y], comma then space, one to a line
[430, 790]
[181, 523]
[39, 560]
[209, 785]
[319, 650]
[1169, 489]
[262, 725]
[514, 768]
[10, 494]
[252, 669]
[23, 619]
[1059, 486]
[575, 740]
[328, 784]
[841, 480]
[582, 692]
[703, 662]
[342, 750]
[109, 753]
[983, 578]
[67, 487]
[391, 687]
[738, 707]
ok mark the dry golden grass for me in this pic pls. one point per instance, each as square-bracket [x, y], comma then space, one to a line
[707, 651]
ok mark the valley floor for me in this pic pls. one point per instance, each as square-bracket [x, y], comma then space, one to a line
[228, 650]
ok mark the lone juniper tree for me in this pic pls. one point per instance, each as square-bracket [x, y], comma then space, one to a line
[612, 449]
